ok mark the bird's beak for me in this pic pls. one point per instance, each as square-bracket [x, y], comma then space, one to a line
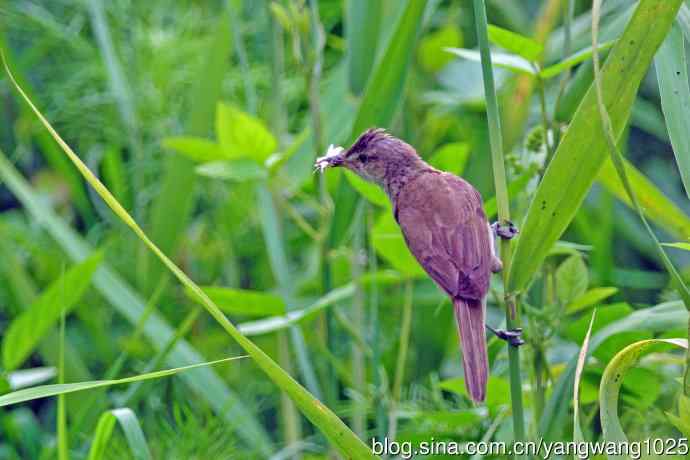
[335, 156]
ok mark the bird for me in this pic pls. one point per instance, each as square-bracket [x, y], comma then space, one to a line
[445, 228]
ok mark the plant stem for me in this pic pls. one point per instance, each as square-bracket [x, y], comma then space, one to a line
[359, 411]
[503, 206]
[405, 329]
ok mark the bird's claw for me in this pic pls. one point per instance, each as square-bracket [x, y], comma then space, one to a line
[512, 336]
[506, 231]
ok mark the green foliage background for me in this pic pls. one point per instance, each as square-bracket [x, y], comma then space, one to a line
[203, 119]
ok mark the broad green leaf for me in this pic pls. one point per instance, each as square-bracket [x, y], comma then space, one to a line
[497, 393]
[362, 32]
[507, 61]
[390, 244]
[44, 391]
[131, 428]
[657, 207]
[581, 360]
[330, 425]
[611, 383]
[241, 170]
[451, 157]
[572, 61]
[590, 298]
[27, 330]
[583, 148]
[243, 301]
[684, 246]
[242, 135]
[516, 43]
[371, 192]
[672, 75]
[384, 89]
[572, 279]
[430, 52]
[196, 148]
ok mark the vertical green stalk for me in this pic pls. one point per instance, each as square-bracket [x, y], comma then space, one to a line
[359, 411]
[405, 329]
[503, 206]
[374, 330]
[235, 8]
[63, 443]
[290, 422]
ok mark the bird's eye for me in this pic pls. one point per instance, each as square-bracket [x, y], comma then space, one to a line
[363, 158]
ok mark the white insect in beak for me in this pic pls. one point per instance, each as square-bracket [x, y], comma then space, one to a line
[332, 158]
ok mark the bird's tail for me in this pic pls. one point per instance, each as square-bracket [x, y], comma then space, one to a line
[469, 315]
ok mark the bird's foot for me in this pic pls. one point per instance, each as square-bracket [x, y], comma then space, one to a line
[512, 336]
[506, 231]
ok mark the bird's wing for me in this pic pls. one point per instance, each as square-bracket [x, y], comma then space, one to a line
[444, 225]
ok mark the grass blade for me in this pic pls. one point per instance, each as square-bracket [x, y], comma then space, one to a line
[25, 331]
[330, 425]
[44, 391]
[130, 426]
[563, 188]
[581, 359]
[672, 74]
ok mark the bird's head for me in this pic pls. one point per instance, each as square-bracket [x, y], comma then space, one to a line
[374, 156]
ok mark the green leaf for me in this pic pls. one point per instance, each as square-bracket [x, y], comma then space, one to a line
[383, 92]
[390, 244]
[581, 360]
[242, 135]
[362, 31]
[590, 298]
[242, 170]
[511, 62]
[196, 148]
[44, 391]
[572, 279]
[516, 43]
[451, 157]
[130, 426]
[573, 60]
[684, 246]
[243, 301]
[672, 75]
[564, 186]
[371, 192]
[27, 330]
[497, 393]
[611, 383]
[264, 326]
[656, 206]
[430, 52]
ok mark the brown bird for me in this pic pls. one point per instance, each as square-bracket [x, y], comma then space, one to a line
[444, 225]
